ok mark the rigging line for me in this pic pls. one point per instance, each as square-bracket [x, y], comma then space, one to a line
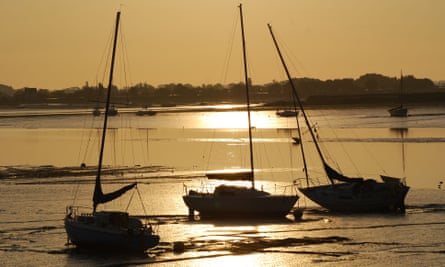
[141, 136]
[125, 59]
[372, 156]
[341, 144]
[289, 56]
[90, 140]
[132, 138]
[210, 150]
[281, 76]
[345, 150]
[122, 138]
[302, 146]
[229, 49]
[295, 100]
[82, 138]
[120, 142]
[129, 201]
[365, 148]
[113, 133]
[148, 145]
[403, 154]
[105, 55]
[142, 201]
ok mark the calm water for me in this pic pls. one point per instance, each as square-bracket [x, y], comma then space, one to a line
[173, 149]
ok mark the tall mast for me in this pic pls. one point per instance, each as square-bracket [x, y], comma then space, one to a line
[297, 97]
[403, 153]
[401, 88]
[98, 187]
[246, 81]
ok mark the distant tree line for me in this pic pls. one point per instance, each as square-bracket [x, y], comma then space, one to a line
[367, 87]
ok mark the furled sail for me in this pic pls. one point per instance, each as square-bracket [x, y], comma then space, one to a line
[99, 197]
[335, 175]
[231, 175]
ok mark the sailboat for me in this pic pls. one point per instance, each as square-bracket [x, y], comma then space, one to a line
[346, 194]
[286, 113]
[401, 110]
[229, 201]
[108, 230]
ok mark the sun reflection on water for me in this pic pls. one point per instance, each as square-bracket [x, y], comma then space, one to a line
[236, 260]
[234, 119]
[225, 244]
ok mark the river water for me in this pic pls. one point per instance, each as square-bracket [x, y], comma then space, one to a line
[43, 149]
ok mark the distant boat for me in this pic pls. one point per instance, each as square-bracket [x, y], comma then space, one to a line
[401, 110]
[286, 113]
[346, 194]
[145, 111]
[108, 230]
[112, 111]
[96, 111]
[228, 201]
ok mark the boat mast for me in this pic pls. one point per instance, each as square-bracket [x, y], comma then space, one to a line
[107, 107]
[294, 90]
[403, 153]
[246, 81]
[303, 155]
[401, 89]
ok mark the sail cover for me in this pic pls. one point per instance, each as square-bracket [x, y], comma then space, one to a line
[231, 175]
[335, 175]
[99, 197]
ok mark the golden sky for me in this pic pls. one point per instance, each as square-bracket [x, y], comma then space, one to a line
[57, 44]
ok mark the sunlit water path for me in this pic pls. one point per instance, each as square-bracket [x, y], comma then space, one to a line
[40, 173]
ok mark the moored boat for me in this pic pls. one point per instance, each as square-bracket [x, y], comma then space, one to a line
[346, 194]
[105, 230]
[233, 201]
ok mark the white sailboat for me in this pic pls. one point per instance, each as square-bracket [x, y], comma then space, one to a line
[346, 194]
[108, 230]
[228, 201]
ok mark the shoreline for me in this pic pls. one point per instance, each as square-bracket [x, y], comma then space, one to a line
[68, 110]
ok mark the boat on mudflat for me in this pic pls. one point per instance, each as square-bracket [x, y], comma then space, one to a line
[343, 193]
[108, 230]
[401, 110]
[232, 201]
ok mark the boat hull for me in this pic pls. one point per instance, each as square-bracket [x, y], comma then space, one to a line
[287, 113]
[91, 236]
[213, 206]
[399, 111]
[359, 197]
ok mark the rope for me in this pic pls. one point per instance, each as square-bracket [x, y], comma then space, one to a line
[229, 49]
[143, 206]
[131, 198]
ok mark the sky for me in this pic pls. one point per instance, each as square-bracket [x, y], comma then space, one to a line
[56, 44]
